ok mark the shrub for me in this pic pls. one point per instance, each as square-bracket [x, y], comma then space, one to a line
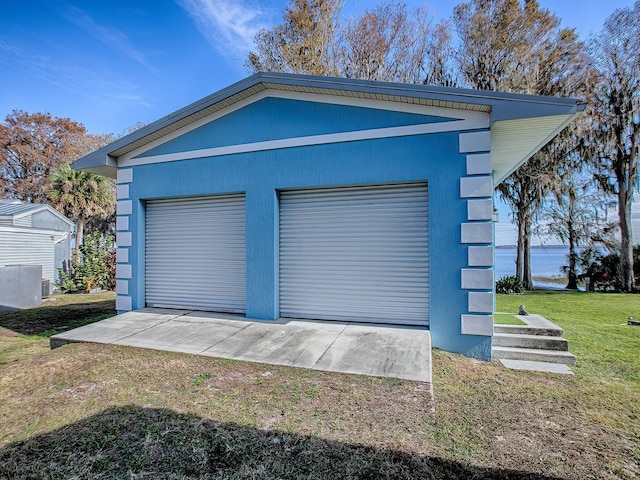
[510, 285]
[93, 268]
[604, 270]
[110, 283]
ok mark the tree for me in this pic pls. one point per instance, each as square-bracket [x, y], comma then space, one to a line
[81, 196]
[304, 43]
[441, 69]
[524, 191]
[385, 44]
[511, 46]
[31, 147]
[577, 215]
[615, 52]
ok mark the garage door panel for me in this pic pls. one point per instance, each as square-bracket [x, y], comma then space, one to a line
[195, 253]
[355, 254]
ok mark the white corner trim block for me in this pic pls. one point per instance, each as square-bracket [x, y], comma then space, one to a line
[122, 287]
[122, 255]
[481, 302]
[122, 192]
[479, 164]
[124, 239]
[480, 209]
[124, 175]
[475, 142]
[477, 278]
[480, 256]
[123, 271]
[122, 223]
[473, 187]
[476, 232]
[477, 325]
[123, 303]
[124, 207]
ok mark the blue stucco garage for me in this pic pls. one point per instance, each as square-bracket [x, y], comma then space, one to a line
[291, 196]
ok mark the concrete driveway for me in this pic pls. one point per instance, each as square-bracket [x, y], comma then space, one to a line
[368, 349]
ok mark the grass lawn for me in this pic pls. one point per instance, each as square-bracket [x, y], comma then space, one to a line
[507, 319]
[99, 411]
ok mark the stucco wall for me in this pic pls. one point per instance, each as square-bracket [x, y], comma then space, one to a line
[441, 159]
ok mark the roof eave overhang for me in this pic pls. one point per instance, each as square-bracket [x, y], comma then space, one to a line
[503, 108]
[516, 140]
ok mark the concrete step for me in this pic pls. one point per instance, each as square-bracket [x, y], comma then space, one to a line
[560, 368]
[534, 355]
[530, 341]
[528, 330]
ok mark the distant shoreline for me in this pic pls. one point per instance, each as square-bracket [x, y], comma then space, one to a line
[536, 246]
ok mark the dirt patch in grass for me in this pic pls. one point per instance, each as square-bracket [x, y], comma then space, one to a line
[60, 313]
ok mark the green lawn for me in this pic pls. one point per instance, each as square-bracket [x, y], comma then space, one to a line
[507, 319]
[595, 324]
[104, 411]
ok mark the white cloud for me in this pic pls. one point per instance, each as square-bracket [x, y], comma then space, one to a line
[57, 70]
[112, 37]
[230, 26]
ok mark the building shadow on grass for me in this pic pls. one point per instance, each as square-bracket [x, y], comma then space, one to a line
[136, 442]
[48, 319]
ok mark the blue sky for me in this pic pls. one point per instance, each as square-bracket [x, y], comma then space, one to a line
[111, 64]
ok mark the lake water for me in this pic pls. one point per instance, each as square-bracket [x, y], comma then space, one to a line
[545, 261]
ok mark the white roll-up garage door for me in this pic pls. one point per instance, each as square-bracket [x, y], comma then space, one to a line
[195, 253]
[355, 254]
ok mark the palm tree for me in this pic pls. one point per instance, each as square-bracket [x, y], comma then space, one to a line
[80, 196]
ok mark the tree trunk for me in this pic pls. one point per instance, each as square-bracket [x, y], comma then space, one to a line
[79, 235]
[523, 259]
[520, 249]
[626, 248]
[527, 282]
[573, 258]
[572, 283]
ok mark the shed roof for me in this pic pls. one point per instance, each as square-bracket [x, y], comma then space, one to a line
[521, 124]
[11, 209]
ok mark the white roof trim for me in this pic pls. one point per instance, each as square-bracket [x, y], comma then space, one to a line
[378, 133]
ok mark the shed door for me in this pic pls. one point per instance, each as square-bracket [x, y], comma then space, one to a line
[195, 253]
[355, 254]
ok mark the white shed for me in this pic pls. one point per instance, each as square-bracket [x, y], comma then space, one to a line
[34, 234]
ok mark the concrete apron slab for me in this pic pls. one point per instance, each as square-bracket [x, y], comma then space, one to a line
[114, 329]
[367, 349]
